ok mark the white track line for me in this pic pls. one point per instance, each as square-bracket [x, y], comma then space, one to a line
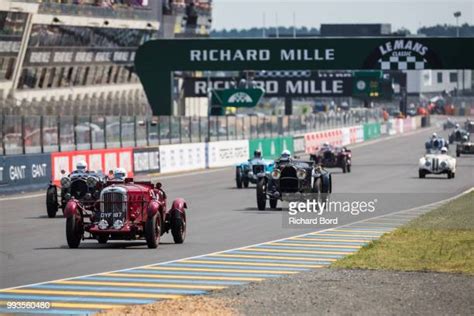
[237, 248]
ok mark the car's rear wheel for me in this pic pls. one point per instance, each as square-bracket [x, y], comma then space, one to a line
[349, 168]
[238, 177]
[73, 231]
[178, 228]
[458, 154]
[52, 201]
[273, 203]
[261, 194]
[103, 239]
[153, 231]
[421, 174]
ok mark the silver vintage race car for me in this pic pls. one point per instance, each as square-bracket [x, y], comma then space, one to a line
[440, 163]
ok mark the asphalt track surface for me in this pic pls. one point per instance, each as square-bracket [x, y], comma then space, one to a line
[33, 248]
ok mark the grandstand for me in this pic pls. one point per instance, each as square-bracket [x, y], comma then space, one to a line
[69, 57]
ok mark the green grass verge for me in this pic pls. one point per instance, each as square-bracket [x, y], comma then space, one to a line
[441, 240]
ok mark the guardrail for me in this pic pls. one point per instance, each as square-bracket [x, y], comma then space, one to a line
[43, 134]
[34, 171]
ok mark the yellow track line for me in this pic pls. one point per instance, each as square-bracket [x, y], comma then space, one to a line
[358, 231]
[152, 285]
[259, 264]
[273, 257]
[345, 235]
[313, 245]
[330, 240]
[220, 270]
[70, 305]
[299, 251]
[99, 294]
[187, 277]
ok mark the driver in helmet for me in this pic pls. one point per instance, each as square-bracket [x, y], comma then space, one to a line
[285, 155]
[120, 174]
[81, 167]
[326, 146]
[257, 154]
[444, 150]
[434, 136]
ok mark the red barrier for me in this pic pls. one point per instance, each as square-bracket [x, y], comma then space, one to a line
[97, 160]
[314, 140]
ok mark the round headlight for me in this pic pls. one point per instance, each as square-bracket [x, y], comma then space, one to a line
[443, 164]
[91, 182]
[103, 224]
[276, 174]
[301, 174]
[118, 224]
[88, 196]
[65, 182]
[427, 163]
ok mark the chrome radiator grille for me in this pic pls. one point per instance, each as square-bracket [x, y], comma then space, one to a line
[114, 206]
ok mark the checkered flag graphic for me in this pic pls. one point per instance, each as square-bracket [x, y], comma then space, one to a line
[402, 63]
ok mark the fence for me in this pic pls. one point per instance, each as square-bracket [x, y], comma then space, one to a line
[43, 134]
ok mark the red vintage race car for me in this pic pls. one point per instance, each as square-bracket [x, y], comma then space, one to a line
[333, 157]
[126, 211]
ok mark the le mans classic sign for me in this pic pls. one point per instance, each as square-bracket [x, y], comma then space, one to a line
[156, 60]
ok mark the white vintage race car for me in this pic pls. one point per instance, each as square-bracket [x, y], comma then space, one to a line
[437, 164]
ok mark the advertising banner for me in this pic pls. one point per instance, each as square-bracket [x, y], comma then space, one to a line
[182, 157]
[298, 143]
[227, 153]
[24, 171]
[271, 147]
[371, 131]
[98, 160]
[146, 160]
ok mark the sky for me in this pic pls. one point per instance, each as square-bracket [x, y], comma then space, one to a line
[411, 14]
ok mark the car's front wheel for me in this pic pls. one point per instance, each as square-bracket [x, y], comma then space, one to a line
[245, 181]
[344, 165]
[73, 231]
[153, 231]
[421, 174]
[273, 203]
[52, 201]
[238, 177]
[261, 194]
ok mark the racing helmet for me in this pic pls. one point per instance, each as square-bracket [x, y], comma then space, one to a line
[81, 166]
[434, 135]
[457, 125]
[285, 155]
[465, 138]
[257, 153]
[120, 174]
[444, 150]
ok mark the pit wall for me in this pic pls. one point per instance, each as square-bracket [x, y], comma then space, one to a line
[34, 171]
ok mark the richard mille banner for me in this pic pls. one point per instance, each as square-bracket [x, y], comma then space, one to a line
[376, 53]
[333, 85]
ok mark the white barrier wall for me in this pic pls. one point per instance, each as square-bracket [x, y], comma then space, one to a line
[182, 157]
[227, 153]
